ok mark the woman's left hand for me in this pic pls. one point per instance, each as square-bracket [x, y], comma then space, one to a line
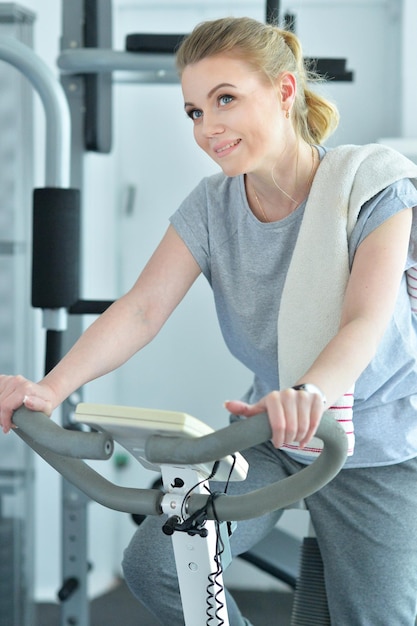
[293, 415]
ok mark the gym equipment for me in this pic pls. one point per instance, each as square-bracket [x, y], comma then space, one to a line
[188, 453]
[16, 318]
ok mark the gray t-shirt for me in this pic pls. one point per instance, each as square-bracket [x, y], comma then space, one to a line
[246, 262]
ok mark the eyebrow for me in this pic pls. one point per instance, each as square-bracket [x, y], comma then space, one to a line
[211, 92]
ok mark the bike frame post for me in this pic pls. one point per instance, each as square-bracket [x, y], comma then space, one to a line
[197, 560]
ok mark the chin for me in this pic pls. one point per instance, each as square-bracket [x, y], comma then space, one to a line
[231, 171]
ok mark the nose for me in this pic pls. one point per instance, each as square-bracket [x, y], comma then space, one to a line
[212, 125]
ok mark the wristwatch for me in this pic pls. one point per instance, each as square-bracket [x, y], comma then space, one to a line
[310, 388]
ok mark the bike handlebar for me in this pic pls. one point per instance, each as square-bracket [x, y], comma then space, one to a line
[72, 443]
[59, 447]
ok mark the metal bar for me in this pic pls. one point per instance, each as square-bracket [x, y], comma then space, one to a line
[57, 158]
[147, 67]
[272, 13]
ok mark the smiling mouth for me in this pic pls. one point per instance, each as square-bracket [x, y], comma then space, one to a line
[229, 145]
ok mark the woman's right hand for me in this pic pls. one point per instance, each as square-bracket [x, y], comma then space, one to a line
[16, 391]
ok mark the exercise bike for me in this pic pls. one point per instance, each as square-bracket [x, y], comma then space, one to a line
[188, 454]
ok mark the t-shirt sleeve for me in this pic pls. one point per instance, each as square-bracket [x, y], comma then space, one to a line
[191, 223]
[391, 200]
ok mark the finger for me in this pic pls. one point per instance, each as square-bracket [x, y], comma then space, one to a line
[302, 410]
[277, 414]
[36, 403]
[6, 416]
[237, 407]
[316, 412]
[6, 413]
[13, 392]
[6, 421]
[290, 411]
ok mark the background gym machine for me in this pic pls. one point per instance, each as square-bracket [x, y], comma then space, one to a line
[16, 320]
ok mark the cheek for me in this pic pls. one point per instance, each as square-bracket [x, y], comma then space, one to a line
[266, 134]
[200, 139]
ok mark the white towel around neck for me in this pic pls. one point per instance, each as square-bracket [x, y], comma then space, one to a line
[315, 285]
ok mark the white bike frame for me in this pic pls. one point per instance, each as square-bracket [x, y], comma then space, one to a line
[199, 565]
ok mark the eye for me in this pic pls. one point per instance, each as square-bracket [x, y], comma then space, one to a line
[195, 114]
[225, 99]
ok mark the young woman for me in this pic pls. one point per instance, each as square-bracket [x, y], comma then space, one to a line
[308, 252]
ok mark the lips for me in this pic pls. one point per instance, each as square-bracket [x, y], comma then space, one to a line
[226, 147]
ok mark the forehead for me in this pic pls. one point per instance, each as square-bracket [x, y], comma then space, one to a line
[198, 79]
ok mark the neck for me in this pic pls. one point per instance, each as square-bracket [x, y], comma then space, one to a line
[277, 193]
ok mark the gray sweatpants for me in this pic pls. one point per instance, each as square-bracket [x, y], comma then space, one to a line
[366, 525]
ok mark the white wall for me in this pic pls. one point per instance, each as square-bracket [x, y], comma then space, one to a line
[188, 367]
[409, 70]
[368, 34]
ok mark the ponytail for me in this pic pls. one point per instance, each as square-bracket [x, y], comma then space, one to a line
[315, 117]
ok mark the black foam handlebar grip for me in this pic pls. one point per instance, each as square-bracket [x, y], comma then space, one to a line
[56, 248]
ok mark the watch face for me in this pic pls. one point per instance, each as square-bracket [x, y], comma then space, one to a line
[310, 388]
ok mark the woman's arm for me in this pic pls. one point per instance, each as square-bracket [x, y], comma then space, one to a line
[126, 327]
[368, 306]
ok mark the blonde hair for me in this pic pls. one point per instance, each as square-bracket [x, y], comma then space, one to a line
[271, 50]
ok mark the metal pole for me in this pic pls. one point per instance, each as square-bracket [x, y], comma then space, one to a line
[272, 15]
[58, 131]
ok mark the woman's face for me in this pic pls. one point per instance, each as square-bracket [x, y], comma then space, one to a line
[237, 114]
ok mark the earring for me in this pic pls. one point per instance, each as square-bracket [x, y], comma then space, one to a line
[287, 114]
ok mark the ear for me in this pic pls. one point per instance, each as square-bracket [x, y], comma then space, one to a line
[287, 86]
